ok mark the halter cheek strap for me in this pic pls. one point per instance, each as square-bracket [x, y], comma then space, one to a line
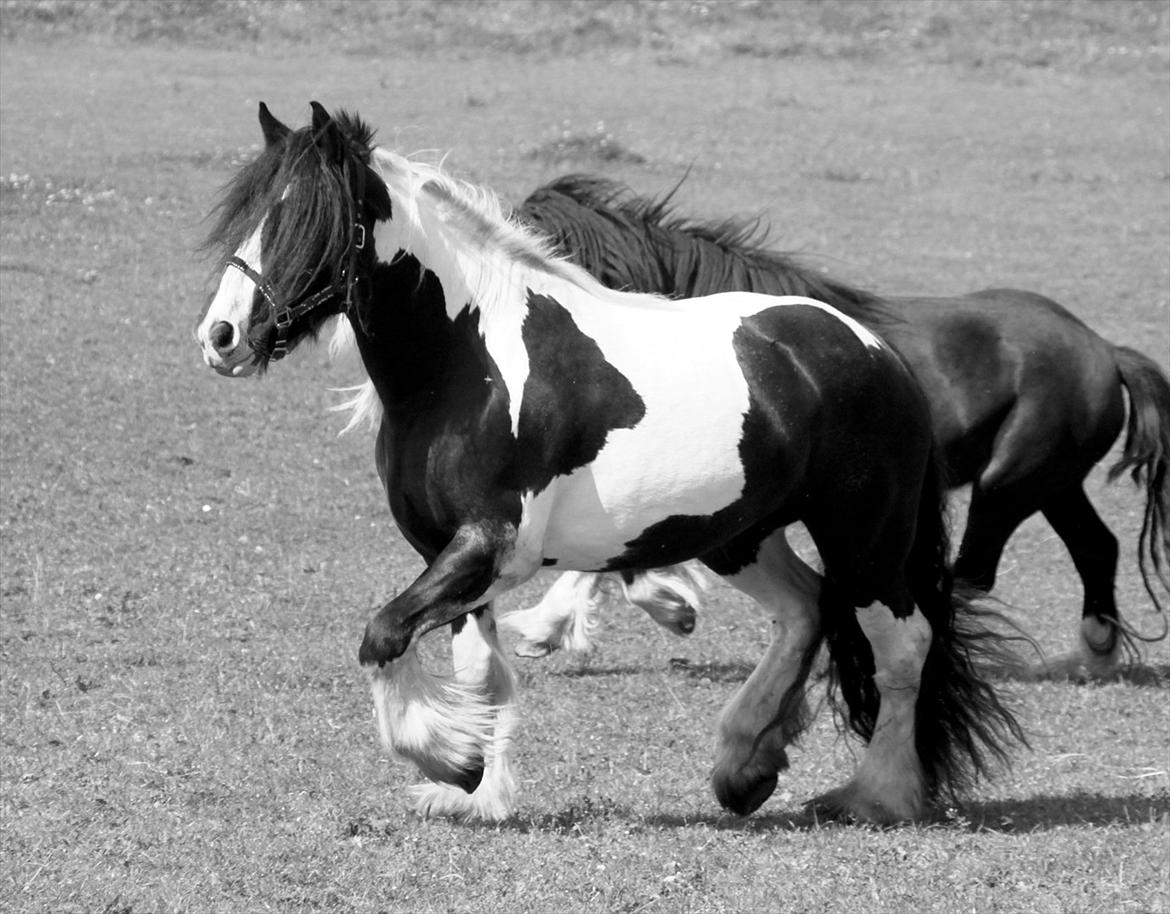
[285, 315]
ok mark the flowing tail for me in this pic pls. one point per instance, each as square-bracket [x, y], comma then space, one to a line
[963, 730]
[1146, 457]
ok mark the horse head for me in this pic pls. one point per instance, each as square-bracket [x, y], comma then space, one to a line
[294, 235]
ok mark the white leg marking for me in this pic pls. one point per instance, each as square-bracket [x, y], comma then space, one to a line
[440, 724]
[788, 589]
[888, 785]
[563, 619]
[482, 668]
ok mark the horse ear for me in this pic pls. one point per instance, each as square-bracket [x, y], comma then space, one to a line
[274, 130]
[327, 133]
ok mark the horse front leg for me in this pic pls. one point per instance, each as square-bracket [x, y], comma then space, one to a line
[466, 574]
[482, 667]
[447, 726]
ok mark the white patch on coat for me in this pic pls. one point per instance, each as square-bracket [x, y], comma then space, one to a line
[888, 785]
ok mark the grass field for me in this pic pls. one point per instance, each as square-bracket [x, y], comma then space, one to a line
[187, 563]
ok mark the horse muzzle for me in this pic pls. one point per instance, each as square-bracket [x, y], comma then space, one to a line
[226, 351]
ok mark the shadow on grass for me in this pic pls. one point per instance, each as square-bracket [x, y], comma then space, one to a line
[1035, 814]
[715, 672]
[1050, 811]
[1142, 675]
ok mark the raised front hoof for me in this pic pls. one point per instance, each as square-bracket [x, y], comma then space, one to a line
[848, 804]
[466, 777]
[533, 650]
[381, 645]
[744, 791]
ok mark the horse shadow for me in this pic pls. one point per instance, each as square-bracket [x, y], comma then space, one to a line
[1139, 675]
[1041, 813]
[679, 666]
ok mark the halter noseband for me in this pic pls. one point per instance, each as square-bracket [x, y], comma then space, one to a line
[285, 315]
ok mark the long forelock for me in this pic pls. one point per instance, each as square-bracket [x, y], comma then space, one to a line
[317, 210]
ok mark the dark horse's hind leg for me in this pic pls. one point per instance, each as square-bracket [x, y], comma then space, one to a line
[992, 518]
[995, 514]
[1094, 552]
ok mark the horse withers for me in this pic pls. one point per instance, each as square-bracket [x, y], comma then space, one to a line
[529, 417]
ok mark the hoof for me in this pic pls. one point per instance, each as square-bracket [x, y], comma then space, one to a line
[468, 780]
[678, 618]
[846, 804]
[685, 621]
[533, 650]
[744, 790]
[465, 777]
[1099, 637]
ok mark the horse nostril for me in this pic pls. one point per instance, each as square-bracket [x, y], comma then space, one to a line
[222, 336]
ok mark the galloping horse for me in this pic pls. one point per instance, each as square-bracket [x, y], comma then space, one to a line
[531, 417]
[1024, 400]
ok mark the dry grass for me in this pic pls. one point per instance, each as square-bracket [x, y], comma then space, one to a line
[186, 563]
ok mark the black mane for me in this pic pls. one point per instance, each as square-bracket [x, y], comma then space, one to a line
[315, 219]
[640, 243]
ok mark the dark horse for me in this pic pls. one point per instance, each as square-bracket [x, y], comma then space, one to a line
[1024, 398]
[532, 417]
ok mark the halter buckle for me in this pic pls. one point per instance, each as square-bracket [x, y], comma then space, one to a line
[360, 237]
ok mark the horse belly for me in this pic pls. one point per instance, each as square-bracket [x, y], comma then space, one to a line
[676, 462]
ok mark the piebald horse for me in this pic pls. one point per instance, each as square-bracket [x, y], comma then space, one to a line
[532, 418]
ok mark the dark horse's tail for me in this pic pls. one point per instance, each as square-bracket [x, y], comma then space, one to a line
[963, 729]
[1146, 457]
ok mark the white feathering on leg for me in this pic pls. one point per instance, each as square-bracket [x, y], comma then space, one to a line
[563, 620]
[443, 726]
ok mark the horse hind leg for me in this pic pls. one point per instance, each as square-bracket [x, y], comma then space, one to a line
[992, 518]
[769, 711]
[670, 596]
[1094, 552]
[564, 618]
[889, 785]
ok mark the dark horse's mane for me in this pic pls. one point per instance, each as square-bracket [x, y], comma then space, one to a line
[316, 214]
[634, 242]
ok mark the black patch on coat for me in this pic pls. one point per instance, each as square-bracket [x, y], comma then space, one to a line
[445, 445]
[792, 358]
[572, 398]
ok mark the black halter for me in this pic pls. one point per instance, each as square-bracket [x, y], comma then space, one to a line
[285, 315]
